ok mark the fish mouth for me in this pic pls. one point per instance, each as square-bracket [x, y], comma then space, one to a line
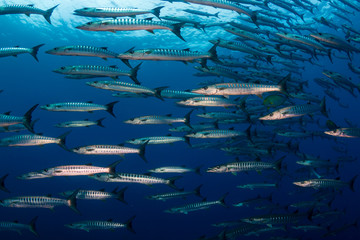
[298, 184]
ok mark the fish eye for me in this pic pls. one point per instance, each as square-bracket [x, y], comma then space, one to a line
[62, 68]
[89, 23]
[271, 114]
[205, 88]
[56, 48]
[95, 82]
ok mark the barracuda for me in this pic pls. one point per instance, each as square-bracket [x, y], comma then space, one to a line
[79, 107]
[176, 169]
[127, 24]
[220, 72]
[2, 183]
[110, 150]
[27, 10]
[17, 227]
[161, 54]
[84, 123]
[229, 5]
[208, 102]
[221, 115]
[272, 219]
[15, 51]
[89, 70]
[112, 12]
[201, 13]
[239, 46]
[327, 183]
[198, 206]
[218, 133]
[102, 225]
[194, 127]
[123, 87]
[249, 28]
[78, 170]
[296, 111]
[226, 89]
[158, 140]
[81, 50]
[235, 167]
[6, 120]
[344, 132]
[40, 202]
[33, 140]
[135, 178]
[98, 195]
[176, 94]
[249, 35]
[171, 195]
[167, 119]
[33, 175]
[252, 186]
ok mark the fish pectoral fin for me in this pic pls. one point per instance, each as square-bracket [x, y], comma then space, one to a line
[269, 225]
[234, 173]
[27, 14]
[122, 156]
[151, 31]
[90, 111]
[113, 31]
[150, 185]
[259, 95]
[258, 171]
[226, 96]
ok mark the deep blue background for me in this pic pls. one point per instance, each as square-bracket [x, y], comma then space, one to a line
[26, 82]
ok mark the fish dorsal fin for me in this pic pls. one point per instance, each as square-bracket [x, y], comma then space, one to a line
[232, 128]
[48, 195]
[89, 101]
[7, 113]
[105, 48]
[113, 66]
[169, 115]
[121, 144]
[149, 19]
[30, 5]
[131, 50]
[168, 135]
[15, 221]
[186, 49]
[102, 190]
[109, 220]
[88, 164]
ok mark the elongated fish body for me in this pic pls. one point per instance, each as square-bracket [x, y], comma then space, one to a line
[127, 24]
[80, 123]
[82, 50]
[34, 202]
[252, 186]
[155, 140]
[208, 102]
[175, 94]
[27, 10]
[220, 72]
[173, 169]
[153, 119]
[226, 89]
[201, 13]
[112, 12]
[224, 4]
[295, 111]
[276, 219]
[102, 225]
[217, 133]
[18, 227]
[28, 140]
[245, 166]
[344, 132]
[34, 175]
[326, 183]
[179, 194]
[76, 170]
[302, 39]
[110, 71]
[121, 87]
[14, 51]
[134, 178]
[334, 41]
[248, 35]
[105, 150]
[8, 120]
[97, 195]
[197, 206]
[79, 107]
[194, 127]
[221, 115]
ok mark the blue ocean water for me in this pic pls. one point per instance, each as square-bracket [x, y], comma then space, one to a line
[26, 82]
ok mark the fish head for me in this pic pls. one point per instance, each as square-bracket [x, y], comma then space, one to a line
[33, 175]
[65, 70]
[217, 169]
[135, 121]
[59, 50]
[85, 10]
[272, 116]
[74, 225]
[104, 177]
[83, 150]
[336, 132]
[95, 26]
[305, 183]
[171, 210]
[51, 107]
[207, 90]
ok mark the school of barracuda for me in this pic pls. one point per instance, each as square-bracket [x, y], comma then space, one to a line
[259, 85]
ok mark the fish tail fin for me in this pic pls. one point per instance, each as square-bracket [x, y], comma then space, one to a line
[197, 191]
[48, 13]
[126, 62]
[27, 118]
[113, 166]
[157, 92]
[197, 170]
[129, 224]
[120, 195]
[278, 164]
[213, 53]
[329, 55]
[187, 141]
[110, 108]
[323, 108]
[32, 226]
[283, 84]
[2, 183]
[72, 201]
[62, 140]
[254, 17]
[35, 50]
[156, 11]
[302, 16]
[187, 119]
[99, 122]
[222, 200]
[216, 14]
[352, 183]
[248, 133]
[268, 59]
[171, 182]
[142, 150]
[134, 72]
[176, 30]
